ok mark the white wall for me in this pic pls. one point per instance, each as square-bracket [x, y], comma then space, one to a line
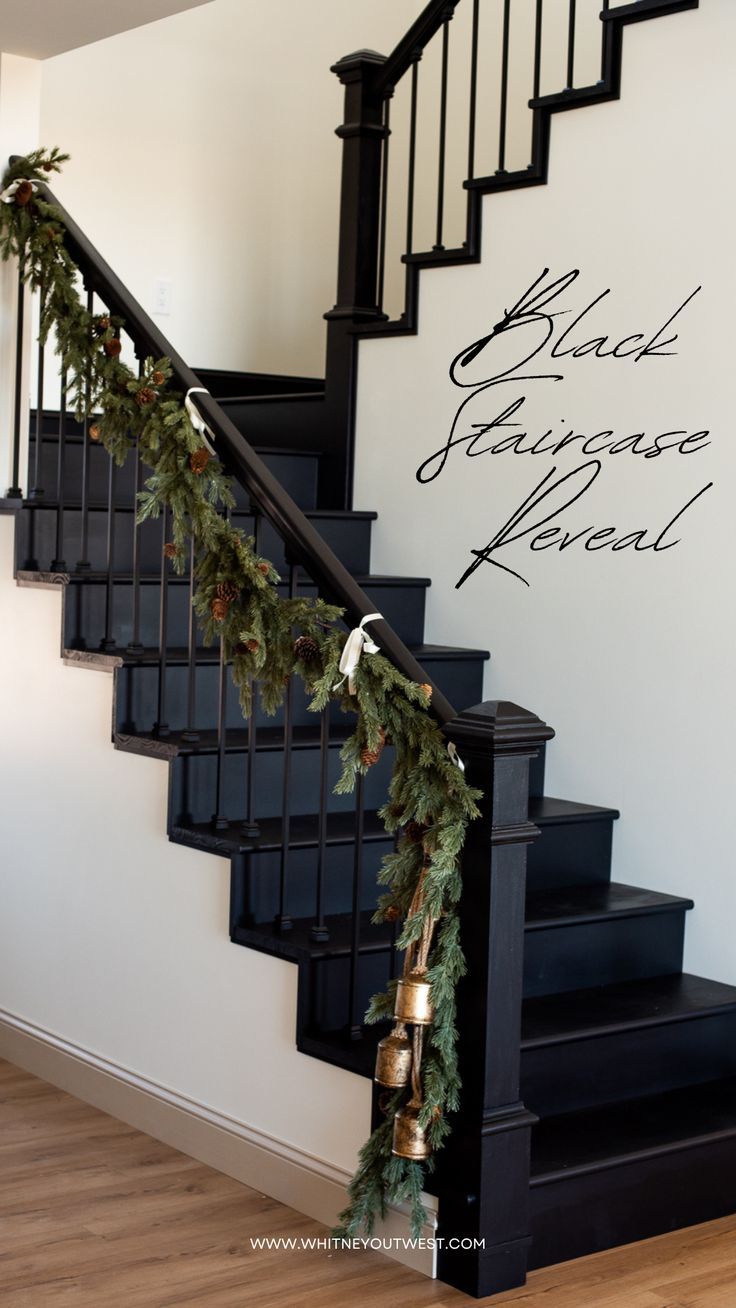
[629, 656]
[115, 940]
[203, 152]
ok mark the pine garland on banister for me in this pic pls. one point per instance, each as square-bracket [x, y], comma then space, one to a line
[430, 803]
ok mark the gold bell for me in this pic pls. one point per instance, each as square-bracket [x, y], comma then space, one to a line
[393, 1058]
[410, 1139]
[414, 1000]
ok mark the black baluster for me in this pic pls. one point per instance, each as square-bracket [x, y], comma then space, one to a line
[191, 733]
[604, 44]
[355, 1014]
[83, 563]
[15, 491]
[537, 49]
[412, 157]
[283, 921]
[319, 931]
[58, 563]
[219, 820]
[250, 826]
[443, 137]
[504, 87]
[473, 89]
[134, 646]
[384, 203]
[161, 726]
[571, 46]
[36, 491]
[109, 643]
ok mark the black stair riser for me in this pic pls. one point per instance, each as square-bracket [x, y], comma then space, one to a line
[560, 958]
[349, 537]
[330, 987]
[256, 884]
[137, 689]
[298, 473]
[402, 605]
[292, 421]
[193, 785]
[584, 1213]
[570, 854]
[578, 1074]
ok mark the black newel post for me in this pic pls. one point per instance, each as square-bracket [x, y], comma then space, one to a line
[483, 1171]
[362, 134]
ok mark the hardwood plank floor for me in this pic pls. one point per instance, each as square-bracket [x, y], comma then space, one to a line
[97, 1215]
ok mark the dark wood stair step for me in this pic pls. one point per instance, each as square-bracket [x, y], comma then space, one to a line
[578, 905]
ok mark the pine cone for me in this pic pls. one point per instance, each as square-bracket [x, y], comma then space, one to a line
[415, 832]
[219, 608]
[265, 568]
[23, 194]
[157, 378]
[425, 686]
[198, 460]
[370, 756]
[227, 591]
[306, 649]
[113, 347]
[170, 550]
[144, 396]
[392, 913]
[252, 646]
[94, 432]
[100, 325]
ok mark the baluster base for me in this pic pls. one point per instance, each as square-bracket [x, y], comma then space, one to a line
[319, 933]
[283, 922]
[218, 822]
[250, 829]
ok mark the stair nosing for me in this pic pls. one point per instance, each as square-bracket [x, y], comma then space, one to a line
[670, 904]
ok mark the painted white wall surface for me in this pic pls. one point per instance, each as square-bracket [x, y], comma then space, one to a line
[204, 154]
[629, 655]
[115, 940]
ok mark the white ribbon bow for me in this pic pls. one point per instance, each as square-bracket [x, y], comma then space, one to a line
[8, 194]
[195, 417]
[454, 756]
[357, 642]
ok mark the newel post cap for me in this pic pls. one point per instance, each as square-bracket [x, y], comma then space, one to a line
[498, 727]
[353, 66]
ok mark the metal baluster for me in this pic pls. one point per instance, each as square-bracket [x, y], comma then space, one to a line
[571, 46]
[109, 643]
[319, 931]
[191, 732]
[473, 89]
[161, 726]
[134, 646]
[443, 137]
[604, 45]
[36, 491]
[58, 563]
[283, 920]
[219, 821]
[384, 202]
[83, 563]
[250, 826]
[15, 491]
[412, 157]
[504, 87]
[355, 1014]
[537, 49]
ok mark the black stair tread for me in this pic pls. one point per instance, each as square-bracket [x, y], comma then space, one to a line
[236, 741]
[546, 811]
[594, 1138]
[606, 1010]
[99, 577]
[354, 1054]
[375, 937]
[210, 654]
[303, 833]
[45, 501]
[573, 905]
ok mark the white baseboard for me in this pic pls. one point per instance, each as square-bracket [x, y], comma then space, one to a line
[301, 1180]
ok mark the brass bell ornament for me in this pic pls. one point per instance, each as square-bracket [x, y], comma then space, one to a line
[414, 999]
[410, 1139]
[393, 1059]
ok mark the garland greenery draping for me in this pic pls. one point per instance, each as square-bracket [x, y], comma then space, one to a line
[430, 803]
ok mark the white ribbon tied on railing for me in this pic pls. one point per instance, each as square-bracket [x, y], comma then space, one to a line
[357, 643]
[195, 417]
[8, 195]
[454, 756]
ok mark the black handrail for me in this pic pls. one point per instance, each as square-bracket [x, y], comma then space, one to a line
[411, 45]
[303, 543]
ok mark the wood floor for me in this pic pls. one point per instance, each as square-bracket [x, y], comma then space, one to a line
[96, 1215]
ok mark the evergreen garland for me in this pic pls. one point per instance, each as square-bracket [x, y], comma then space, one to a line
[237, 600]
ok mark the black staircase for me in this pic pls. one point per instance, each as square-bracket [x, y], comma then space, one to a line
[599, 1099]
